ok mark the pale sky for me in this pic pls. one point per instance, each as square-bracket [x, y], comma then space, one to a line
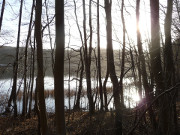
[10, 22]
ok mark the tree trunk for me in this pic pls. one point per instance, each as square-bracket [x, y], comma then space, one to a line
[13, 95]
[40, 75]
[169, 80]
[24, 110]
[139, 85]
[50, 38]
[87, 60]
[2, 13]
[99, 57]
[105, 90]
[118, 119]
[77, 105]
[59, 68]
[32, 78]
[143, 68]
[155, 46]
[105, 82]
[123, 55]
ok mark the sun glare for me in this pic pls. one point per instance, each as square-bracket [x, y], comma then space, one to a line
[135, 97]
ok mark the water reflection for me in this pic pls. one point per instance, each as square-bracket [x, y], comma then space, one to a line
[131, 96]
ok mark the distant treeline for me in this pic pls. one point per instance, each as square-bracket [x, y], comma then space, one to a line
[7, 58]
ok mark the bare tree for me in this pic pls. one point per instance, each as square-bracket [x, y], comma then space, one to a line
[169, 80]
[24, 109]
[143, 68]
[77, 105]
[50, 37]
[155, 46]
[59, 68]
[13, 95]
[87, 58]
[99, 56]
[2, 13]
[40, 75]
[32, 76]
[123, 54]
[118, 119]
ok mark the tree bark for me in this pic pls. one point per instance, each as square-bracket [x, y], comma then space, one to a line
[123, 54]
[77, 105]
[32, 78]
[50, 38]
[59, 68]
[104, 84]
[105, 90]
[139, 85]
[2, 13]
[118, 119]
[87, 61]
[155, 46]
[99, 57]
[143, 68]
[169, 80]
[15, 66]
[40, 75]
[24, 110]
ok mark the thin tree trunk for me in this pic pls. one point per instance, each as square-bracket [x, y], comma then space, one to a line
[105, 82]
[24, 110]
[32, 78]
[59, 68]
[13, 95]
[87, 63]
[36, 99]
[69, 72]
[139, 76]
[91, 104]
[2, 13]
[123, 54]
[40, 75]
[77, 105]
[36, 108]
[105, 90]
[50, 38]
[99, 57]
[143, 68]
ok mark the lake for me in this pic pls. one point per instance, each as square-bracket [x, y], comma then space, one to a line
[131, 96]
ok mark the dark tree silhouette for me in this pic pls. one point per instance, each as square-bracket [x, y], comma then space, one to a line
[87, 59]
[13, 95]
[40, 75]
[143, 69]
[25, 97]
[99, 56]
[118, 119]
[59, 68]
[2, 13]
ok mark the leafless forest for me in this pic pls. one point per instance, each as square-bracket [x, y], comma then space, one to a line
[89, 67]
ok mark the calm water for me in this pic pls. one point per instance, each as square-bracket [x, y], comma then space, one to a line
[130, 93]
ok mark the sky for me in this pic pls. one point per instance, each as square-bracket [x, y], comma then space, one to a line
[8, 34]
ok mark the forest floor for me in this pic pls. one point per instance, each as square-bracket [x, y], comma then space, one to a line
[77, 123]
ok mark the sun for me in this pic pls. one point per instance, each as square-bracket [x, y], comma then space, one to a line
[136, 97]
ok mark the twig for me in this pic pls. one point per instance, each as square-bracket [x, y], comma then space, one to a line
[166, 91]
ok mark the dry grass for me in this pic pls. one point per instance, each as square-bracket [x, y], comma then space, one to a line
[50, 94]
[79, 124]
